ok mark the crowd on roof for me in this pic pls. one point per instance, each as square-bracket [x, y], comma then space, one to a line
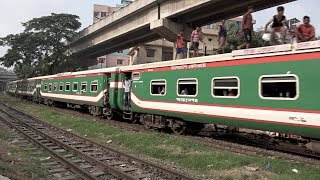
[302, 33]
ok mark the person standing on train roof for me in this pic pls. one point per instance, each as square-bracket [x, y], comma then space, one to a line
[222, 37]
[279, 24]
[180, 45]
[196, 37]
[305, 32]
[247, 28]
[127, 91]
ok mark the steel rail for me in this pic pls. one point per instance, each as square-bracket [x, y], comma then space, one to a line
[108, 168]
[74, 168]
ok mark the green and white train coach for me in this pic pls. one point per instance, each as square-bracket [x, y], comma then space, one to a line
[271, 88]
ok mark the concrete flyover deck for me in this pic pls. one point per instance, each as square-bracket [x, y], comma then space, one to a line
[4, 78]
[147, 20]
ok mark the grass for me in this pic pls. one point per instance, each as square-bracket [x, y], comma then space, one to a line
[197, 158]
[17, 163]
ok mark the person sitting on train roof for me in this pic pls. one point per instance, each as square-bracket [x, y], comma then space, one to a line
[196, 37]
[180, 45]
[278, 25]
[305, 32]
[222, 37]
[247, 28]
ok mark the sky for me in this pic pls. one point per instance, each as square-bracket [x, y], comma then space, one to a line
[13, 12]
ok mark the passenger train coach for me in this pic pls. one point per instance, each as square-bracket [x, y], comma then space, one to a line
[271, 88]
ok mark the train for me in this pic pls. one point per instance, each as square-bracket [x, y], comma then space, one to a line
[271, 88]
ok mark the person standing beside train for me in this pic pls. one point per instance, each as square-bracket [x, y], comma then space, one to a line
[127, 91]
[247, 28]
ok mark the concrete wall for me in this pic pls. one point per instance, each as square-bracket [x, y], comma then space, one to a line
[163, 50]
[112, 61]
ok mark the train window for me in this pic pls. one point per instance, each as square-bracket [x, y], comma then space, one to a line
[83, 87]
[67, 88]
[226, 87]
[75, 86]
[135, 76]
[50, 87]
[187, 87]
[158, 87]
[279, 87]
[61, 86]
[55, 86]
[94, 86]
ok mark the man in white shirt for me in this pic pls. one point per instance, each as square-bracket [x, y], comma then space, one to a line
[127, 90]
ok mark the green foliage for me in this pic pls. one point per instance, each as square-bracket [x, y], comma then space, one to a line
[40, 48]
[234, 38]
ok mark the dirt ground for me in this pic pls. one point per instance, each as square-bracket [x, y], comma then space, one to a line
[11, 164]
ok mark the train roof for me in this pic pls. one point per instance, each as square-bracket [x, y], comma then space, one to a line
[267, 51]
[103, 70]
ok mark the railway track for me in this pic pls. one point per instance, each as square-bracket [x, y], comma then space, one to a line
[86, 159]
[248, 144]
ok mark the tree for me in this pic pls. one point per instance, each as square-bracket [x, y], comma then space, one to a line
[40, 49]
[234, 38]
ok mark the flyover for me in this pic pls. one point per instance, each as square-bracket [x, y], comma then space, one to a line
[4, 78]
[147, 20]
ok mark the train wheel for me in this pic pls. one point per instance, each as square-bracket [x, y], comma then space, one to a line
[178, 127]
[136, 119]
[110, 115]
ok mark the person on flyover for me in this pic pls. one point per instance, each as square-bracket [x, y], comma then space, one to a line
[180, 45]
[305, 32]
[196, 37]
[247, 28]
[279, 24]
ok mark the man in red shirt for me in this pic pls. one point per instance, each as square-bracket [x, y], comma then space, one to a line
[305, 32]
[247, 28]
[180, 45]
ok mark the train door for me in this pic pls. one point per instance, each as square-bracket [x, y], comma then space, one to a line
[127, 88]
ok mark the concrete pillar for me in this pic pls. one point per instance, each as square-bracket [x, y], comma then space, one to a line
[169, 29]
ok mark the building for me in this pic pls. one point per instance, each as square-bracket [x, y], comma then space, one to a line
[114, 59]
[125, 3]
[293, 23]
[101, 11]
[159, 50]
